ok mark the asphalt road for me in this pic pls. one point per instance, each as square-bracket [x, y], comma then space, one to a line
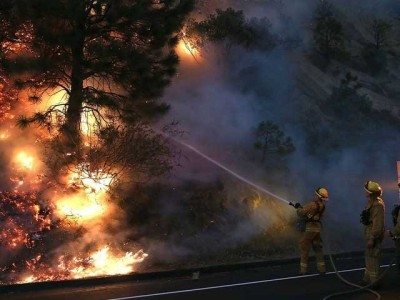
[277, 281]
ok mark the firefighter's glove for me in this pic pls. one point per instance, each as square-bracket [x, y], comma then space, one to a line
[295, 205]
[370, 244]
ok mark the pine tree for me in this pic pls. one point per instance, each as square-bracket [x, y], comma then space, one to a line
[116, 55]
[272, 140]
[380, 30]
[231, 27]
[328, 32]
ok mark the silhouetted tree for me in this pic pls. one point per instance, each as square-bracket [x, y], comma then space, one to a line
[346, 118]
[270, 139]
[328, 32]
[347, 102]
[111, 57]
[380, 30]
[231, 27]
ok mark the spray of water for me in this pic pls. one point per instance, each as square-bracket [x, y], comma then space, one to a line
[213, 161]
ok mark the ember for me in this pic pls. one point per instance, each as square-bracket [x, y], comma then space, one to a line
[20, 217]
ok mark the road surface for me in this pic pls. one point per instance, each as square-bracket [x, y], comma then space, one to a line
[263, 281]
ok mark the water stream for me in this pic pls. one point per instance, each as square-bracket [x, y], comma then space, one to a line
[233, 173]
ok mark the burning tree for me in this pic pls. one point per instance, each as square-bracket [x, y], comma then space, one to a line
[8, 97]
[8, 36]
[111, 58]
[105, 63]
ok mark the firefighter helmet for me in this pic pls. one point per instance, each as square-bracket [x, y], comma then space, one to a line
[373, 188]
[322, 193]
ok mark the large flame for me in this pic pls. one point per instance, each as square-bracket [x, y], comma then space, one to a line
[29, 222]
[102, 262]
[24, 160]
[80, 207]
[89, 200]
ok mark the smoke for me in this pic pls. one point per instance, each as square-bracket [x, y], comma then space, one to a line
[220, 101]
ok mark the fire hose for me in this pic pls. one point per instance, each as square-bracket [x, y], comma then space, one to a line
[358, 288]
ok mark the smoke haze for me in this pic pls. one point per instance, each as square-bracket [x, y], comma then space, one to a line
[220, 101]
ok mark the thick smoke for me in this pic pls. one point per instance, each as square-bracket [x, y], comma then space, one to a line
[220, 100]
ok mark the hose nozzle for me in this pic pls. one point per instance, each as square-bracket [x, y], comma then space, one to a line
[295, 205]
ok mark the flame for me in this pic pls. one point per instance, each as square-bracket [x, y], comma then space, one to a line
[88, 123]
[30, 221]
[55, 97]
[24, 160]
[102, 263]
[93, 182]
[187, 48]
[80, 207]
[4, 135]
[97, 185]
[28, 279]
[99, 263]
[89, 202]
[12, 237]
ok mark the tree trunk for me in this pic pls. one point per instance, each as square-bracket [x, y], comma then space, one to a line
[71, 130]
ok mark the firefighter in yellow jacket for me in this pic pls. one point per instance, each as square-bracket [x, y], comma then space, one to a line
[373, 219]
[312, 214]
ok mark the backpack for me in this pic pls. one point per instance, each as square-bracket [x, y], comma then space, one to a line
[395, 213]
[365, 217]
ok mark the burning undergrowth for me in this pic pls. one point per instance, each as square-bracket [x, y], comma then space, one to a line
[66, 226]
[63, 234]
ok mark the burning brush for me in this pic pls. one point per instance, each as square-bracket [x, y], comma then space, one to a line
[21, 219]
[102, 262]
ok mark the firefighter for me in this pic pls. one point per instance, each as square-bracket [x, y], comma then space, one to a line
[312, 214]
[373, 219]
